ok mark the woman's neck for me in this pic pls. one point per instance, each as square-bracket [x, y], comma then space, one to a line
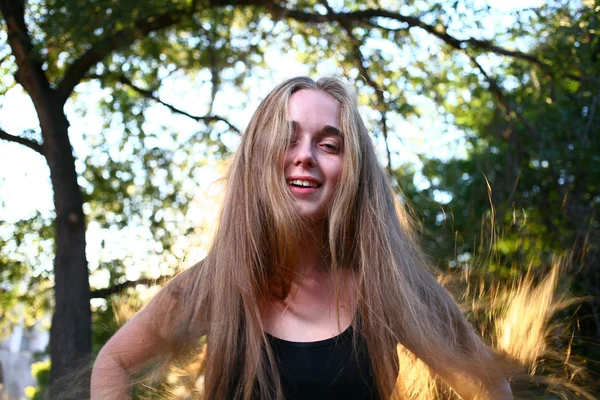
[312, 259]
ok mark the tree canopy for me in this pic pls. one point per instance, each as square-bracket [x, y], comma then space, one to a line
[519, 90]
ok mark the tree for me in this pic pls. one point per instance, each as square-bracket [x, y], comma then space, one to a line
[532, 166]
[56, 46]
[39, 49]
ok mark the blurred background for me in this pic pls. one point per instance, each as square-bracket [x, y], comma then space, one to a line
[117, 119]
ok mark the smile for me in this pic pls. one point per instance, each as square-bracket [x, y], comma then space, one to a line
[303, 183]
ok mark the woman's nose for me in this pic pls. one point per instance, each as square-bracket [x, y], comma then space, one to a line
[304, 154]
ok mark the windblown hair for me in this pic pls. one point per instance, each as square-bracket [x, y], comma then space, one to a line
[399, 300]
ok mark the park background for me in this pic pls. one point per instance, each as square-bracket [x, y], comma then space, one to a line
[117, 119]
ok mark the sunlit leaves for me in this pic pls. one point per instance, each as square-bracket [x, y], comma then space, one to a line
[533, 141]
[7, 66]
[63, 30]
[536, 147]
[26, 254]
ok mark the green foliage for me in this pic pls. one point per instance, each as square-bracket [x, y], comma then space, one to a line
[41, 372]
[26, 247]
[527, 191]
[541, 166]
[133, 178]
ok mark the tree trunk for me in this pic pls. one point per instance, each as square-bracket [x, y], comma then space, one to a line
[70, 335]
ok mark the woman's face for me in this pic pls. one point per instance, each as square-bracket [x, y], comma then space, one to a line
[313, 162]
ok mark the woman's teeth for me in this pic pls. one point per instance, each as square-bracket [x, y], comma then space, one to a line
[301, 183]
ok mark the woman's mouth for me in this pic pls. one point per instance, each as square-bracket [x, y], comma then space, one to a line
[302, 183]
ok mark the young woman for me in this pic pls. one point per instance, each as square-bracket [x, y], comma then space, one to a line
[314, 276]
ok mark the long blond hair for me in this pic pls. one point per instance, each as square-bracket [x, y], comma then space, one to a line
[399, 301]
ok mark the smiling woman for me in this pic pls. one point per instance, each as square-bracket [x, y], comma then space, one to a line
[314, 277]
[313, 161]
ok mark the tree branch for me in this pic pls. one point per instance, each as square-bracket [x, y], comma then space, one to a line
[116, 40]
[495, 88]
[21, 140]
[366, 17]
[124, 37]
[29, 73]
[150, 95]
[115, 289]
[364, 70]
[344, 21]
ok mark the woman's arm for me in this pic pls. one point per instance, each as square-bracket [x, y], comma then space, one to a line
[144, 338]
[468, 369]
[490, 384]
[134, 344]
[496, 387]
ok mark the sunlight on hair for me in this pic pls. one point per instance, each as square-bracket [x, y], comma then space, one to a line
[415, 380]
[205, 209]
[210, 314]
[521, 314]
[530, 346]
[523, 330]
[522, 339]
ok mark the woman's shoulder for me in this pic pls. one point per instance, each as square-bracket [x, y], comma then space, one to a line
[179, 309]
[183, 282]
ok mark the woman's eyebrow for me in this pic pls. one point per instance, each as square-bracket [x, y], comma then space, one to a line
[293, 125]
[332, 129]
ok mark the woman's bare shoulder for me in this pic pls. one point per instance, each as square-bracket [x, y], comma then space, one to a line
[176, 299]
[155, 328]
[183, 282]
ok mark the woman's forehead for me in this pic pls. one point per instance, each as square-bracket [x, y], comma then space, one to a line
[309, 108]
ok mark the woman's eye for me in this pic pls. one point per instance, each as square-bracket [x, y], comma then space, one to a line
[331, 147]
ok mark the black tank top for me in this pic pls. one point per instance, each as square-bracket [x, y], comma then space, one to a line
[327, 369]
